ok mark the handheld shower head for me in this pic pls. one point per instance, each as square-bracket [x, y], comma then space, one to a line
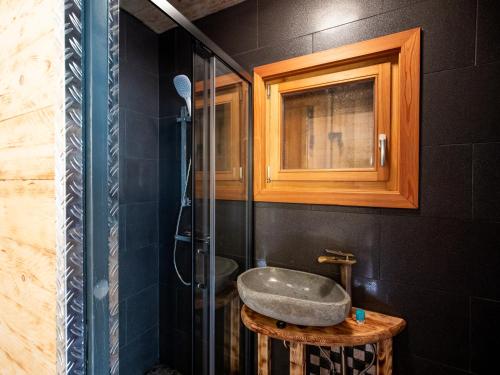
[183, 86]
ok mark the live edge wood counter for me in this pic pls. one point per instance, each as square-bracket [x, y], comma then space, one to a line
[378, 328]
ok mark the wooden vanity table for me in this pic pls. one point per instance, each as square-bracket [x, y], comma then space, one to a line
[378, 328]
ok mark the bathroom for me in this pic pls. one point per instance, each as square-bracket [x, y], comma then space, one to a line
[186, 190]
[408, 260]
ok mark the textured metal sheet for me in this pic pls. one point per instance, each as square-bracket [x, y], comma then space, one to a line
[113, 182]
[69, 199]
[71, 349]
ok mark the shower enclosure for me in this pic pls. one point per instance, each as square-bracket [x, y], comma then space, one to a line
[220, 214]
[203, 206]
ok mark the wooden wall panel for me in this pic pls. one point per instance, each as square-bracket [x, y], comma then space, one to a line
[17, 25]
[25, 85]
[27, 146]
[30, 103]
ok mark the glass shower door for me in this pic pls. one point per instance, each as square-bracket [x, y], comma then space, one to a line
[203, 206]
[221, 209]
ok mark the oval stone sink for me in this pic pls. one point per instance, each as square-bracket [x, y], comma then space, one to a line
[293, 296]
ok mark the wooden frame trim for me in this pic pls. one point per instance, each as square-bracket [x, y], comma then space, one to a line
[404, 190]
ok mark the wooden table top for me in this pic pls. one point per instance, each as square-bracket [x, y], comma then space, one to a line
[377, 327]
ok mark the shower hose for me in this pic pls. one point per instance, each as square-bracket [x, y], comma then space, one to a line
[183, 204]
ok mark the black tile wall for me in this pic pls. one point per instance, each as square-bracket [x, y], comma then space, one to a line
[488, 35]
[446, 181]
[282, 50]
[436, 266]
[486, 159]
[484, 335]
[139, 246]
[136, 357]
[485, 254]
[286, 19]
[487, 96]
[448, 31]
[406, 257]
[447, 113]
[140, 267]
[141, 225]
[142, 312]
[141, 136]
[137, 87]
[241, 20]
[298, 237]
[396, 4]
[414, 365]
[175, 57]
[139, 180]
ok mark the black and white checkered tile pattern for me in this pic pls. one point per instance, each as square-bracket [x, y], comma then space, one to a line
[358, 358]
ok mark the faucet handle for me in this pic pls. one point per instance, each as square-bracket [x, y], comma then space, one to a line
[340, 253]
[337, 257]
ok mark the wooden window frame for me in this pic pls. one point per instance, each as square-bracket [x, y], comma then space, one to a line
[394, 188]
[382, 87]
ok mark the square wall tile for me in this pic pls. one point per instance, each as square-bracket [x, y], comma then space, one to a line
[426, 252]
[138, 89]
[437, 322]
[139, 179]
[142, 312]
[485, 104]
[141, 136]
[448, 31]
[488, 36]
[486, 159]
[141, 44]
[286, 19]
[485, 330]
[138, 270]
[447, 113]
[485, 264]
[241, 19]
[141, 354]
[141, 226]
[446, 181]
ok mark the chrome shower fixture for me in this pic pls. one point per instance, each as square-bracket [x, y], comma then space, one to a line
[183, 86]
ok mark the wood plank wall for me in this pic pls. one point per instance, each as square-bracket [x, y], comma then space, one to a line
[30, 105]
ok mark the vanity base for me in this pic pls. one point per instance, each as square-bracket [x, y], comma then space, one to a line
[378, 328]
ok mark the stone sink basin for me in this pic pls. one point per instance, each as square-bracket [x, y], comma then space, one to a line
[294, 297]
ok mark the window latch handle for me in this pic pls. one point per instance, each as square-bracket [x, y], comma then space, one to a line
[382, 145]
[268, 174]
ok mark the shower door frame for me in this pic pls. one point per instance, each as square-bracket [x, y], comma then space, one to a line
[206, 354]
[100, 29]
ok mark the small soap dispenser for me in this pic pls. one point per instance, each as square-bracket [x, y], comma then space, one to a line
[360, 316]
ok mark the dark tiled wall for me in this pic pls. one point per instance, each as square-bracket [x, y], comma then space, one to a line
[139, 283]
[175, 57]
[436, 266]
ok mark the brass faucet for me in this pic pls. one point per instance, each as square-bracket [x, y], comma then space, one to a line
[345, 260]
